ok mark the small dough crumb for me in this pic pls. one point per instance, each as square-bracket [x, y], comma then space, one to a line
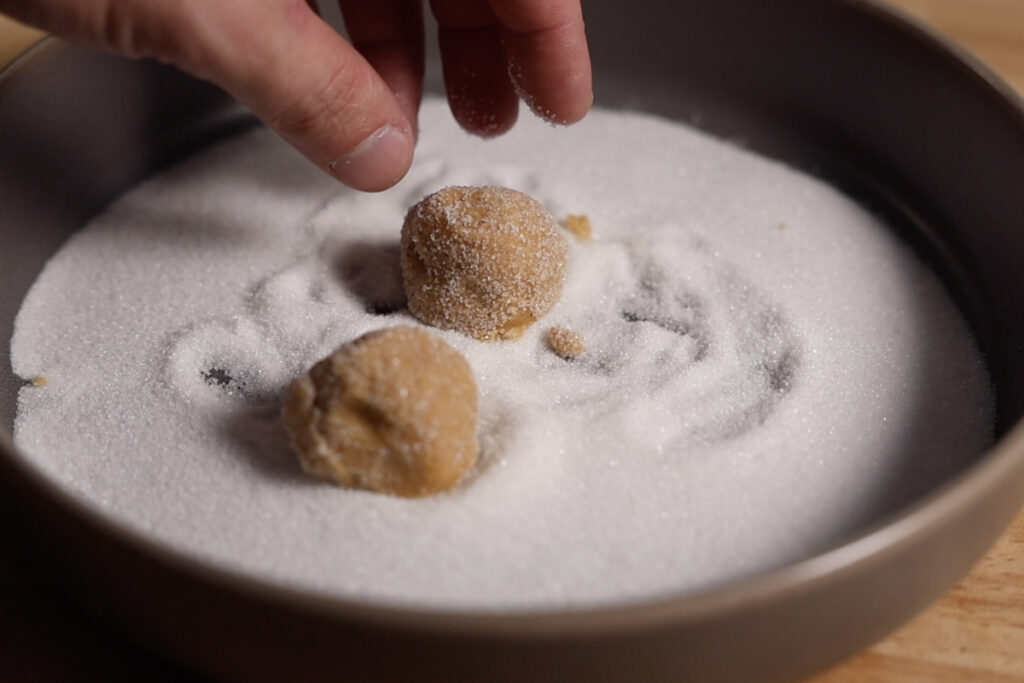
[40, 381]
[580, 226]
[486, 261]
[393, 411]
[566, 343]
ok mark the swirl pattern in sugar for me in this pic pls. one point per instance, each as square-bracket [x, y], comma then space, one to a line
[685, 331]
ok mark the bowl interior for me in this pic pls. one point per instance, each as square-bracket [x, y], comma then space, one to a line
[841, 89]
[901, 128]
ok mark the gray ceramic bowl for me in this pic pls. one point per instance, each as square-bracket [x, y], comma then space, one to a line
[841, 87]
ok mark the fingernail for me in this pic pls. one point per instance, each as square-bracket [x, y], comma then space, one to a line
[376, 163]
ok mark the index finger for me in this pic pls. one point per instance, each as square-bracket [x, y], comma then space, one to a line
[548, 59]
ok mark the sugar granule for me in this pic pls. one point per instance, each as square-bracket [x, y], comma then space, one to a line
[749, 396]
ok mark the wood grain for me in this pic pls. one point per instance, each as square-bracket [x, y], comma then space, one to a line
[976, 631]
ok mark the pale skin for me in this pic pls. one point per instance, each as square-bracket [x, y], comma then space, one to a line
[351, 108]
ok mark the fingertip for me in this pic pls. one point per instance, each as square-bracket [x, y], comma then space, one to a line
[548, 57]
[484, 118]
[318, 92]
[575, 105]
[476, 80]
[571, 105]
[552, 76]
[379, 161]
[582, 107]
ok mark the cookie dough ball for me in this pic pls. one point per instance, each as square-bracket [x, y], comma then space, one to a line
[486, 261]
[393, 411]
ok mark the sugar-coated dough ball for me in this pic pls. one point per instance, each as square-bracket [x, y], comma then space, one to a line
[486, 261]
[392, 411]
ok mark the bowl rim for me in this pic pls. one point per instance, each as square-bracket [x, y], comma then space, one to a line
[871, 546]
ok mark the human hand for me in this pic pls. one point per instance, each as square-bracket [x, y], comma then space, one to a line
[350, 108]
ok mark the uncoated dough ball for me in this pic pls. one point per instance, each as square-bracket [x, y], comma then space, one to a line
[392, 411]
[486, 261]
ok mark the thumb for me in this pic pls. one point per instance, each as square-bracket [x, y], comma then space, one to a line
[297, 74]
[276, 56]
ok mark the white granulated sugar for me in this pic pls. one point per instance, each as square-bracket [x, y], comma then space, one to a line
[767, 370]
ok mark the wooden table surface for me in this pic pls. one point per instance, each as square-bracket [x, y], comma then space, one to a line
[974, 633]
